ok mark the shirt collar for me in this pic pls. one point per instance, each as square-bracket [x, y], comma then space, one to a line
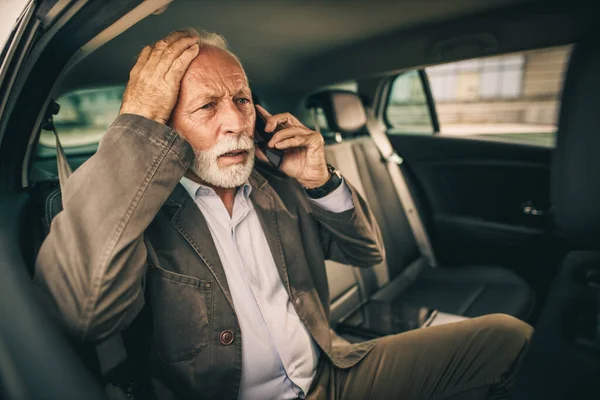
[195, 189]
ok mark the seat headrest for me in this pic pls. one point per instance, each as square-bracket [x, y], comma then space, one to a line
[343, 110]
[576, 164]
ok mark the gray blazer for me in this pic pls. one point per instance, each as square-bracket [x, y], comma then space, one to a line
[131, 242]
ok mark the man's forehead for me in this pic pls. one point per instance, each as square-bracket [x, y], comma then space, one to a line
[207, 76]
[216, 84]
[212, 69]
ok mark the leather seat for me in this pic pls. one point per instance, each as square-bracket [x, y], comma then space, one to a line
[470, 291]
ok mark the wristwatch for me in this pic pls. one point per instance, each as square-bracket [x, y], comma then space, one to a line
[334, 181]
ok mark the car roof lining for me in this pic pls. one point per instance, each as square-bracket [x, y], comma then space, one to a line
[323, 42]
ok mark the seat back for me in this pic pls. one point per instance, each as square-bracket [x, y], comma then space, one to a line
[576, 164]
[563, 360]
[359, 160]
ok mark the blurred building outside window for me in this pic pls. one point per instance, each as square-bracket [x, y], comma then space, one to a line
[514, 97]
[84, 116]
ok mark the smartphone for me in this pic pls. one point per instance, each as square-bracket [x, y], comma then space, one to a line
[261, 138]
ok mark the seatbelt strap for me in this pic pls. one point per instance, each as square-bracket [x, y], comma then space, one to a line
[111, 353]
[62, 165]
[393, 161]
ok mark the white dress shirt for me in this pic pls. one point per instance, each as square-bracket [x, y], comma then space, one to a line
[279, 358]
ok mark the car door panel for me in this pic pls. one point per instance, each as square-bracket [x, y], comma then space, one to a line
[27, 334]
[473, 193]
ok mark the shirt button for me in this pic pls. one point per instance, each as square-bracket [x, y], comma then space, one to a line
[207, 285]
[226, 337]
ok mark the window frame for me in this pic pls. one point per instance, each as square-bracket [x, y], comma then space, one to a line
[435, 125]
[430, 101]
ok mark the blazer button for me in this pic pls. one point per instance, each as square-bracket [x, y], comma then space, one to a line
[226, 337]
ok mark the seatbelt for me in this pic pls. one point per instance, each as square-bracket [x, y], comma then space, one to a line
[111, 353]
[62, 164]
[393, 161]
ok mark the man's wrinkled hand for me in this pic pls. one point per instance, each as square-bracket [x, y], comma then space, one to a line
[155, 79]
[304, 149]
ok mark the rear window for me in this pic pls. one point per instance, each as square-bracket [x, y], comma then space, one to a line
[83, 118]
[512, 98]
[407, 110]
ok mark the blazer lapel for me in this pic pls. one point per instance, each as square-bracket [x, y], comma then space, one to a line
[280, 226]
[191, 224]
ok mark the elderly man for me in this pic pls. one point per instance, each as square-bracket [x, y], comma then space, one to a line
[217, 264]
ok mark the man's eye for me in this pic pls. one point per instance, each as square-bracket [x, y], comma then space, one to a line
[207, 106]
[243, 100]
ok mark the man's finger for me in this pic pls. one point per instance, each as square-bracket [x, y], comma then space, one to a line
[181, 64]
[141, 61]
[294, 141]
[263, 112]
[287, 133]
[285, 120]
[174, 52]
[163, 44]
[282, 120]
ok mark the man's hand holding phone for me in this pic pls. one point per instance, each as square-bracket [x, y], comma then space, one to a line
[304, 148]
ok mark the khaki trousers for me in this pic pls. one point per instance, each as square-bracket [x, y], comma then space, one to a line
[473, 359]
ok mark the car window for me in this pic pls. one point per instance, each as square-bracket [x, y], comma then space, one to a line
[83, 118]
[407, 109]
[512, 98]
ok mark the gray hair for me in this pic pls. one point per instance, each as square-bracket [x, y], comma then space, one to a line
[212, 39]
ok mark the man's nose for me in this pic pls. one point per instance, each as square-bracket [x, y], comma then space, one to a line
[233, 119]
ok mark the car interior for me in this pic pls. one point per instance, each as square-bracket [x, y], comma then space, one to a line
[473, 222]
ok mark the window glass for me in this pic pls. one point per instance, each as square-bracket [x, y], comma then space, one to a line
[83, 118]
[407, 110]
[513, 97]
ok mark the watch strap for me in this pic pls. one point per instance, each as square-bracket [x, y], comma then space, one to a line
[334, 181]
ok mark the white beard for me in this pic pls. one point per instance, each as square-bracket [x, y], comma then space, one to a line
[206, 163]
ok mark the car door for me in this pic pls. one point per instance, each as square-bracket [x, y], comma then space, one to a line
[478, 144]
[36, 360]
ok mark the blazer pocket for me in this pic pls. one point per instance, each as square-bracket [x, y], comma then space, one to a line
[181, 309]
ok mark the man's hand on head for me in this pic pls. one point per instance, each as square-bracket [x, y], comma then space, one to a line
[304, 149]
[154, 81]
